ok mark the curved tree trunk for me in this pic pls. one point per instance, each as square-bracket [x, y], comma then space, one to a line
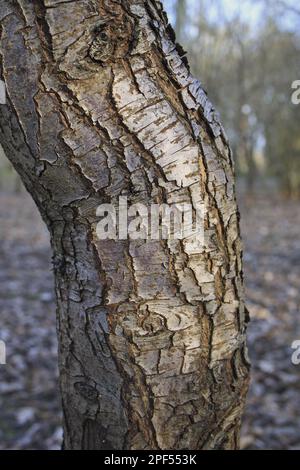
[100, 104]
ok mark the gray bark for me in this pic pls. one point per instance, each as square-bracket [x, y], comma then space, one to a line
[151, 338]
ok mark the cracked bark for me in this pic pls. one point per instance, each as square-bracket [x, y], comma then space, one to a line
[101, 104]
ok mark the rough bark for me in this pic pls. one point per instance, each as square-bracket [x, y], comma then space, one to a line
[151, 338]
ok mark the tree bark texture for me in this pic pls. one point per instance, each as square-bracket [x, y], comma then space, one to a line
[101, 103]
[180, 12]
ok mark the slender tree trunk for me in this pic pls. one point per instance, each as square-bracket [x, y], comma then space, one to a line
[180, 18]
[151, 337]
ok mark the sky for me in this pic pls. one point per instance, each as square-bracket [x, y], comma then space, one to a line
[253, 12]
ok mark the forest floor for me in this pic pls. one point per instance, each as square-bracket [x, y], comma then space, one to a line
[30, 416]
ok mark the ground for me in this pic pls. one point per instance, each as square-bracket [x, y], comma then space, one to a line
[30, 415]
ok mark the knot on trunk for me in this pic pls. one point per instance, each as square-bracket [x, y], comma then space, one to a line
[113, 39]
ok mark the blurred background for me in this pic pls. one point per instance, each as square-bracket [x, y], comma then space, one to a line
[246, 55]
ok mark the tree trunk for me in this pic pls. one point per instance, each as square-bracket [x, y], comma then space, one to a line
[180, 18]
[151, 337]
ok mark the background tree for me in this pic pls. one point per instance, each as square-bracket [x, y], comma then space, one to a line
[180, 19]
[248, 65]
